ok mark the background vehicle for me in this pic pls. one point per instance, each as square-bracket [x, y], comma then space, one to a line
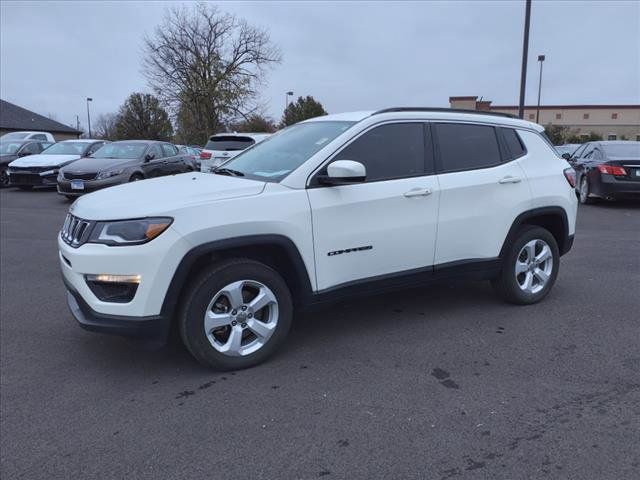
[44, 136]
[42, 169]
[568, 149]
[194, 155]
[607, 170]
[121, 162]
[12, 149]
[223, 146]
[334, 206]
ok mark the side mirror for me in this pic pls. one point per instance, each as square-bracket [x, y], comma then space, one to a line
[566, 156]
[149, 156]
[343, 172]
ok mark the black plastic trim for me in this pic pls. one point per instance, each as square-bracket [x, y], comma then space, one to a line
[445, 110]
[564, 246]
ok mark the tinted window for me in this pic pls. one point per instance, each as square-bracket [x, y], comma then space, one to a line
[389, 151]
[626, 150]
[466, 147]
[32, 148]
[514, 143]
[39, 136]
[94, 148]
[169, 150]
[156, 151]
[121, 150]
[229, 143]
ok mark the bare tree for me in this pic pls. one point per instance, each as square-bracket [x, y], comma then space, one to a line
[104, 126]
[206, 66]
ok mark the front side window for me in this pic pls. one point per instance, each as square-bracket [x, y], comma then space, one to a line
[66, 148]
[466, 147]
[169, 150]
[121, 150]
[389, 151]
[280, 154]
[32, 148]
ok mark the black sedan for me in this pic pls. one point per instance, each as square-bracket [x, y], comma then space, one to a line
[13, 149]
[607, 170]
[121, 162]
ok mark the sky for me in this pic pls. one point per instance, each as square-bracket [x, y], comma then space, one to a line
[347, 55]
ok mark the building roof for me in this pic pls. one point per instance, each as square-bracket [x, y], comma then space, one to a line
[13, 117]
[565, 107]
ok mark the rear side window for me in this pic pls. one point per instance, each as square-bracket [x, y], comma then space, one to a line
[39, 136]
[514, 142]
[466, 147]
[389, 151]
[169, 150]
[229, 144]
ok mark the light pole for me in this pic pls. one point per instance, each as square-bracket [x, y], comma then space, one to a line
[525, 52]
[541, 60]
[88, 115]
[286, 99]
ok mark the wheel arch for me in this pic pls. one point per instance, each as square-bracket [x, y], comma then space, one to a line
[553, 219]
[277, 251]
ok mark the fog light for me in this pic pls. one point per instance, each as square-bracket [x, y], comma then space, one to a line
[113, 288]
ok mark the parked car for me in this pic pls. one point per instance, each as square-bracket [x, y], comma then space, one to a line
[42, 169]
[194, 155]
[43, 136]
[333, 206]
[224, 146]
[607, 170]
[567, 149]
[12, 149]
[121, 162]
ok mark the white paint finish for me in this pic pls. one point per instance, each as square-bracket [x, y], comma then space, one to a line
[43, 160]
[401, 230]
[346, 169]
[476, 211]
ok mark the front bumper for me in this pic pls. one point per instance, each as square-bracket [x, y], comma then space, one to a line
[155, 262]
[25, 178]
[64, 186]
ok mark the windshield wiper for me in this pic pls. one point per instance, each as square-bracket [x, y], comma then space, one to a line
[228, 171]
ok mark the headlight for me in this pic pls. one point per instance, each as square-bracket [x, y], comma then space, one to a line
[109, 173]
[60, 176]
[129, 232]
[49, 172]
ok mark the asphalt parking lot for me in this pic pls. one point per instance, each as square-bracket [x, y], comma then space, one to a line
[432, 383]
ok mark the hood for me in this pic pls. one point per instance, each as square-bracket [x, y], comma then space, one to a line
[161, 196]
[43, 160]
[95, 165]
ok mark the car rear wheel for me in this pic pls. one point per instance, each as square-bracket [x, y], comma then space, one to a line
[236, 314]
[529, 268]
[584, 191]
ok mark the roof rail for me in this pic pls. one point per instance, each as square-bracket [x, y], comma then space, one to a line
[440, 109]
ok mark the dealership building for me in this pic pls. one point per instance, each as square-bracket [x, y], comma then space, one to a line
[612, 122]
[14, 118]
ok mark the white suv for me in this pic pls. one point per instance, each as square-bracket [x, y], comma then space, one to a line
[337, 205]
[225, 146]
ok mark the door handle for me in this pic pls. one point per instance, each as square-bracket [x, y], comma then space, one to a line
[418, 192]
[509, 179]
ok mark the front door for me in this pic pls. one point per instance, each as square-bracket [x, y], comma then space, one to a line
[385, 225]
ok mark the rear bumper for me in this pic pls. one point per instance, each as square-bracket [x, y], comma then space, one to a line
[609, 186]
[154, 327]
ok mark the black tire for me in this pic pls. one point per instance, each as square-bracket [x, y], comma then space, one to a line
[506, 284]
[582, 196]
[136, 177]
[200, 292]
[25, 187]
[4, 177]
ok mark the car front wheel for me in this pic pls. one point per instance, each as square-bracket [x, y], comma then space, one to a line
[236, 314]
[529, 268]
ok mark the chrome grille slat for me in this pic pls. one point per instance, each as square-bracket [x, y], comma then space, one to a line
[75, 230]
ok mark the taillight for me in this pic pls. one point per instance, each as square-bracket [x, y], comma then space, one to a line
[612, 170]
[570, 175]
[205, 155]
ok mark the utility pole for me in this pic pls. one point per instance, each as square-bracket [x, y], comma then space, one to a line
[88, 115]
[525, 52]
[286, 99]
[541, 60]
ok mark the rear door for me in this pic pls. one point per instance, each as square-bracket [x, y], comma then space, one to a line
[174, 161]
[155, 167]
[482, 190]
[385, 225]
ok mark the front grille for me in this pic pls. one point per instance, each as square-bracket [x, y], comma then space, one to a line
[75, 231]
[35, 170]
[79, 176]
[24, 179]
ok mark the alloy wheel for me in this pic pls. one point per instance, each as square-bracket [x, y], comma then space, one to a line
[534, 265]
[241, 317]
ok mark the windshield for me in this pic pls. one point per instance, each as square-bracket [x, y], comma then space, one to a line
[66, 148]
[229, 143]
[14, 136]
[9, 148]
[626, 150]
[121, 150]
[276, 157]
